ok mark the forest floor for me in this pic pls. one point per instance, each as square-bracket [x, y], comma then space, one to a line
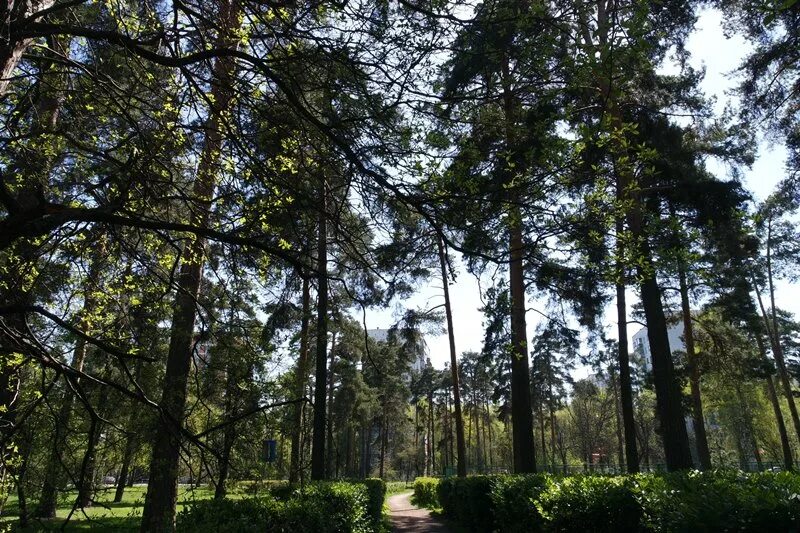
[408, 518]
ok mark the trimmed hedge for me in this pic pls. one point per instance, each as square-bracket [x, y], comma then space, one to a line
[376, 494]
[320, 507]
[468, 501]
[425, 494]
[590, 503]
[682, 501]
[513, 502]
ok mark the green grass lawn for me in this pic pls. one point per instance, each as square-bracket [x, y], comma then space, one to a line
[104, 515]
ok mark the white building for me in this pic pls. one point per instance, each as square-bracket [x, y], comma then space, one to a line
[641, 344]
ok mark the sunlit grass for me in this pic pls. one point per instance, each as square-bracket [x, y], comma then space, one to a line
[104, 515]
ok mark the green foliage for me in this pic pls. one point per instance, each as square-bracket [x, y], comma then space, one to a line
[376, 494]
[426, 492]
[590, 503]
[670, 502]
[321, 507]
[469, 501]
[396, 487]
[719, 501]
[513, 502]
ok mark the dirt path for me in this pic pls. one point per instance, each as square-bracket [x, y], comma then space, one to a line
[406, 518]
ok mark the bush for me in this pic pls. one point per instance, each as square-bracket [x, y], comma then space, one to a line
[513, 502]
[320, 507]
[590, 503]
[468, 501]
[719, 501]
[223, 516]
[674, 502]
[376, 494]
[395, 487]
[425, 492]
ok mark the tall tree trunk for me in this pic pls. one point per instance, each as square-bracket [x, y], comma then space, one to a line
[228, 439]
[780, 362]
[416, 437]
[431, 409]
[364, 463]
[131, 443]
[300, 381]
[489, 426]
[698, 421]
[523, 447]
[461, 448]
[668, 396]
[321, 375]
[521, 412]
[330, 448]
[776, 330]
[617, 420]
[232, 381]
[26, 443]
[384, 430]
[623, 361]
[788, 461]
[542, 437]
[162, 491]
[452, 440]
[88, 478]
[551, 407]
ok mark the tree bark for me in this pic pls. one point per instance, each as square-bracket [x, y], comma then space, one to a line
[623, 361]
[384, 429]
[788, 461]
[668, 395]
[461, 447]
[162, 491]
[330, 448]
[780, 362]
[617, 420]
[13, 14]
[523, 446]
[321, 375]
[127, 458]
[521, 408]
[87, 483]
[698, 421]
[301, 379]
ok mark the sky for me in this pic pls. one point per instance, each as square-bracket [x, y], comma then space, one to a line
[719, 55]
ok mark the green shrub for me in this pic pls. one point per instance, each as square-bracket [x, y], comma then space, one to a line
[284, 492]
[376, 494]
[666, 502]
[223, 516]
[590, 503]
[425, 492]
[340, 508]
[320, 507]
[468, 501]
[719, 501]
[395, 487]
[513, 502]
